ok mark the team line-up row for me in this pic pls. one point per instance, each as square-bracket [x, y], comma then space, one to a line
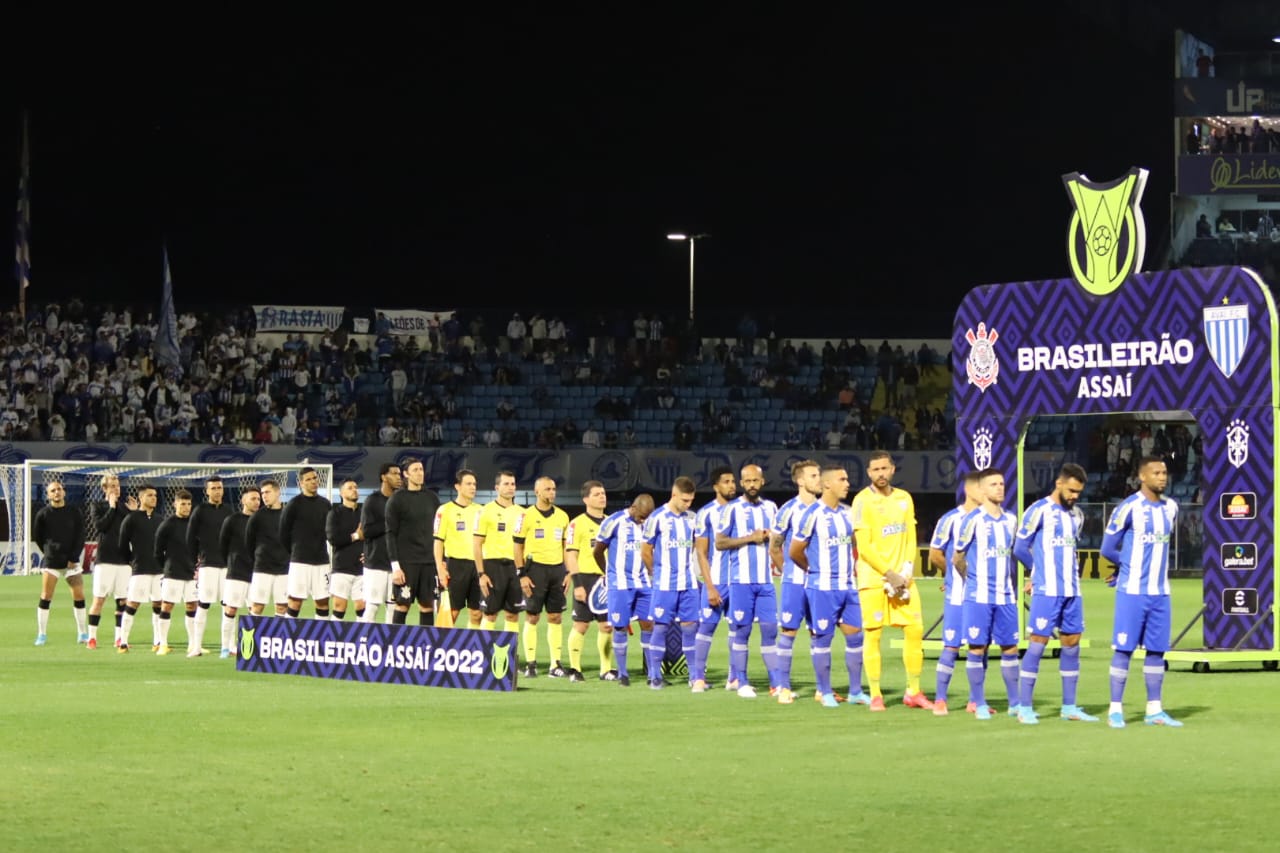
[845, 566]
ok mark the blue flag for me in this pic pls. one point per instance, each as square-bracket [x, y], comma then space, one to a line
[23, 242]
[166, 345]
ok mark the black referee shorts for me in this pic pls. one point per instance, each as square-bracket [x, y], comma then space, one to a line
[464, 584]
[582, 609]
[505, 594]
[548, 588]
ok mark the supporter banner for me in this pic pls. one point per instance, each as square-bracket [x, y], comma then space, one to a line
[298, 318]
[369, 651]
[408, 321]
[1228, 174]
[920, 471]
[1203, 97]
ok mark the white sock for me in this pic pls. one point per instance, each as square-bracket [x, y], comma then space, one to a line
[1115, 708]
[126, 625]
[202, 620]
[42, 620]
[190, 623]
[155, 628]
[162, 634]
[228, 631]
[93, 632]
[82, 620]
[1154, 708]
[390, 614]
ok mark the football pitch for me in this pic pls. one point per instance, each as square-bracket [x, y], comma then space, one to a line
[139, 752]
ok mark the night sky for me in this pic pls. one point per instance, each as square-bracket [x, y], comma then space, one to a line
[841, 164]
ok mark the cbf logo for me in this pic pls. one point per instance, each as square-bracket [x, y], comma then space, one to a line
[1226, 332]
[1106, 240]
[1237, 442]
[982, 365]
[982, 449]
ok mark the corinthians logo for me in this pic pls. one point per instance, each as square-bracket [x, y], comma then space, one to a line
[1106, 240]
[982, 366]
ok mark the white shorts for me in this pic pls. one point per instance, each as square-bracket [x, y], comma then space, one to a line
[345, 586]
[235, 593]
[146, 588]
[269, 589]
[377, 586]
[176, 591]
[111, 580]
[209, 584]
[64, 573]
[308, 580]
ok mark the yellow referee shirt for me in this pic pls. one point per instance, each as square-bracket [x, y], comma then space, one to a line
[453, 527]
[885, 529]
[497, 525]
[583, 531]
[542, 534]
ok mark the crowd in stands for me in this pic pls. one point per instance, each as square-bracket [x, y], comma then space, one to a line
[75, 372]
[1257, 139]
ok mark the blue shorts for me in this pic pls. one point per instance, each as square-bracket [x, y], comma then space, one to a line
[1142, 620]
[985, 624]
[1064, 612]
[953, 626]
[751, 601]
[794, 607]
[707, 614]
[626, 604]
[831, 607]
[674, 605]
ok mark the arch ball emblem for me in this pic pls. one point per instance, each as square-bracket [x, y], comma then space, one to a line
[1106, 240]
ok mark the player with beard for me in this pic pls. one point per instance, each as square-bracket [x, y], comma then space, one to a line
[1047, 542]
[204, 541]
[110, 568]
[235, 590]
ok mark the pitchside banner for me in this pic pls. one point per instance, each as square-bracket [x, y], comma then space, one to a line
[1114, 341]
[368, 651]
[1228, 174]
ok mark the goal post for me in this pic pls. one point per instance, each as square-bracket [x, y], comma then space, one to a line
[24, 487]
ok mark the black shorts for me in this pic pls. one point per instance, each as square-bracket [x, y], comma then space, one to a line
[505, 594]
[548, 588]
[464, 584]
[582, 610]
[420, 582]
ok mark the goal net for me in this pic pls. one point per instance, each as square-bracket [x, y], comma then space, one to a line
[24, 485]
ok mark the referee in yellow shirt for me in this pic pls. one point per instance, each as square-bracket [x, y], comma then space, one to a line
[539, 547]
[455, 559]
[884, 525]
[493, 549]
[584, 574]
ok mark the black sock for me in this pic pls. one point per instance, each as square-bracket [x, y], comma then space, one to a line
[293, 612]
[338, 614]
[322, 613]
[426, 617]
[94, 619]
[359, 613]
[397, 618]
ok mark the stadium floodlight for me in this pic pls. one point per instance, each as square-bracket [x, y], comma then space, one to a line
[692, 238]
[22, 488]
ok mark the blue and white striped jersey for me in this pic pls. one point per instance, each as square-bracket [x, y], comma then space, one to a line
[671, 536]
[1137, 540]
[624, 536]
[741, 517]
[944, 539]
[987, 543]
[785, 524]
[828, 537]
[718, 561]
[1047, 544]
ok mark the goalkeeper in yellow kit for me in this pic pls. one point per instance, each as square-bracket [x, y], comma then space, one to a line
[884, 526]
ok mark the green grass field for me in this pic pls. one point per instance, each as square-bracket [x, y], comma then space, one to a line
[146, 753]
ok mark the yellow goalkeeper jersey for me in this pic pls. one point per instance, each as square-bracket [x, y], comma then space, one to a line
[885, 529]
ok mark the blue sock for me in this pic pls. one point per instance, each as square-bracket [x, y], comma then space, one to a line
[1069, 666]
[701, 649]
[820, 650]
[769, 650]
[644, 648]
[620, 650]
[853, 662]
[688, 640]
[1009, 669]
[1119, 674]
[738, 659]
[1153, 673]
[1028, 672]
[657, 646]
[976, 669]
[945, 669]
[786, 642]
